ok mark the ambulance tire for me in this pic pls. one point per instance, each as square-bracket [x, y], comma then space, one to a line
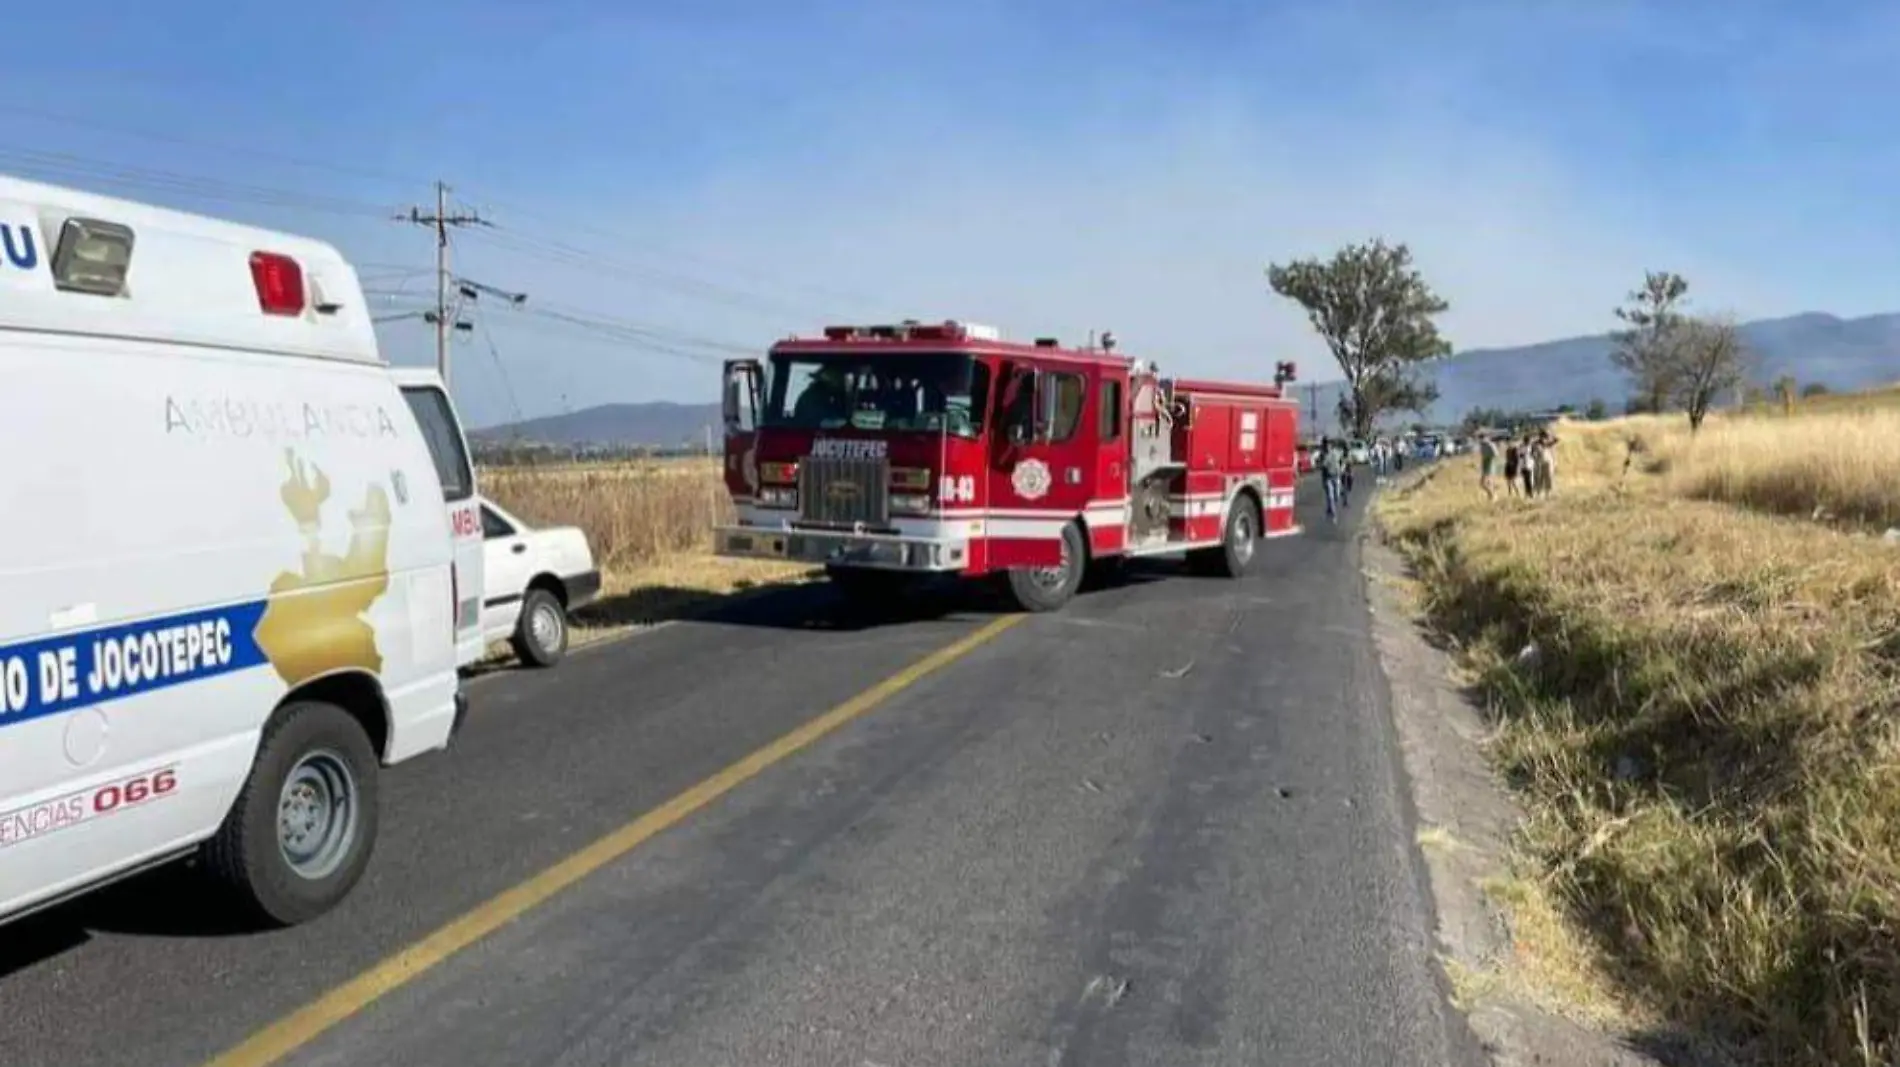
[1238, 542]
[1046, 588]
[328, 755]
[540, 637]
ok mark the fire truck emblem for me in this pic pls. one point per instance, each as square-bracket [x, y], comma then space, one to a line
[1030, 479]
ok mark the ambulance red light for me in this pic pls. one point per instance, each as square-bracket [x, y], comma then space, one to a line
[279, 282]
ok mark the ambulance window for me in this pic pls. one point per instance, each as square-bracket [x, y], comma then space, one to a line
[444, 435]
[1069, 392]
[1111, 409]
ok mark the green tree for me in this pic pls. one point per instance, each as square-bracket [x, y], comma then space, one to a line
[1813, 389]
[1596, 410]
[1376, 314]
[1644, 350]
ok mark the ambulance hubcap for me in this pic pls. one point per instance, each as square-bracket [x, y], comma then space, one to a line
[317, 814]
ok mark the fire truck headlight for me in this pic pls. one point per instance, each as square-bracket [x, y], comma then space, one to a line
[776, 497]
[910, 503]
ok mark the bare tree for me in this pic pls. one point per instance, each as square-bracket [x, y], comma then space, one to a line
[1375, 313]
[1707, 358]
[1643, 351]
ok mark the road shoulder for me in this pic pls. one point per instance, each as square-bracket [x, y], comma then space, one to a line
[1466, 818]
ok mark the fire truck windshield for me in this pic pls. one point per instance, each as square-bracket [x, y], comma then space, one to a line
[936, 392]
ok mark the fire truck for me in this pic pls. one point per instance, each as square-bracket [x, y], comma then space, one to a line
[890, 452]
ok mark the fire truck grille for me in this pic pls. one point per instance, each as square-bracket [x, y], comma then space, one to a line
[844, 492]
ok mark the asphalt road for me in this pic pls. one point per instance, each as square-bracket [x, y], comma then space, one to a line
[1165, 826]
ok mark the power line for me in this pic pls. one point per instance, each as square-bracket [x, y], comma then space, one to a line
[563, 254]
[494, 354]
[334, 167]
[193, 142]
[63, 166]
[620, 240]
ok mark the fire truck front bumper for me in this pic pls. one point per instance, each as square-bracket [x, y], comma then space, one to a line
[844, 548]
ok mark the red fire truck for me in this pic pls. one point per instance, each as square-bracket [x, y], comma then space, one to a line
[891, 451]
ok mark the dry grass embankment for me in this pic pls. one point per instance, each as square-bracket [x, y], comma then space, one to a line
[649, 524]
[1694, 684]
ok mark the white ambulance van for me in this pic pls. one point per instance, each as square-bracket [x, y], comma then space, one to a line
[228, 584]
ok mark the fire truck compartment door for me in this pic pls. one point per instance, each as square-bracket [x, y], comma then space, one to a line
[1037, 463]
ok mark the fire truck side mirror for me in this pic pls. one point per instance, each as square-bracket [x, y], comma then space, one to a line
[741, 400]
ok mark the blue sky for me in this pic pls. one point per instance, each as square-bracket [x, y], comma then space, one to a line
[734, 171]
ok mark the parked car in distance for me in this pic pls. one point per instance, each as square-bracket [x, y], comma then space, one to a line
[533, 578]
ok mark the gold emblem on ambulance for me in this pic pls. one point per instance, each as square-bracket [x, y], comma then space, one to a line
[313, 623]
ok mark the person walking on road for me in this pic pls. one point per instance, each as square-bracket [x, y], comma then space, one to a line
[1332, 465]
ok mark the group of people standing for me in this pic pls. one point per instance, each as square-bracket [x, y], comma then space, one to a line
[1530, 463]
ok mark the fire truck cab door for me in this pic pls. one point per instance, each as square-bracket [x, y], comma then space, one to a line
[1041, 464]
[744, 380]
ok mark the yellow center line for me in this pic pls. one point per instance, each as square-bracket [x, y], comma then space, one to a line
[299, 1028]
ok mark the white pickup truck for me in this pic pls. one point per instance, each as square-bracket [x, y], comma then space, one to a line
[532, 579]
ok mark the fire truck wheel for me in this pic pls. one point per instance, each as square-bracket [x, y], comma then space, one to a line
[1048, 588]
[1237, 545]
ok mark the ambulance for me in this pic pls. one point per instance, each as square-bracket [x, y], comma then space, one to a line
[241, 561]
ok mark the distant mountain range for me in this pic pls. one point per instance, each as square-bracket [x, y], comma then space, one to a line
[659, 424]
[1842, 354]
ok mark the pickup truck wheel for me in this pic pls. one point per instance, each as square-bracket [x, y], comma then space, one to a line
[300, 834]
[540, 638]
[1048, 588]
[1238, 541]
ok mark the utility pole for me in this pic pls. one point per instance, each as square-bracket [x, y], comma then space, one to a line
[440, 222]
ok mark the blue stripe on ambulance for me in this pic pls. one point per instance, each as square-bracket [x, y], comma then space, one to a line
[56, 674]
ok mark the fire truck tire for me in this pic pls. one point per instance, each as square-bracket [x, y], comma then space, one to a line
[1238, 542]
[1048, 588]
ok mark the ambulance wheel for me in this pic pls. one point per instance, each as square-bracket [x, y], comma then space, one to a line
[1238, 542]
[540, 637]
[1048, 588]
[301, 832]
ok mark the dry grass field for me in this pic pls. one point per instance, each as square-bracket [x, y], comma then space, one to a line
[649, 524]
[1691, 653]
